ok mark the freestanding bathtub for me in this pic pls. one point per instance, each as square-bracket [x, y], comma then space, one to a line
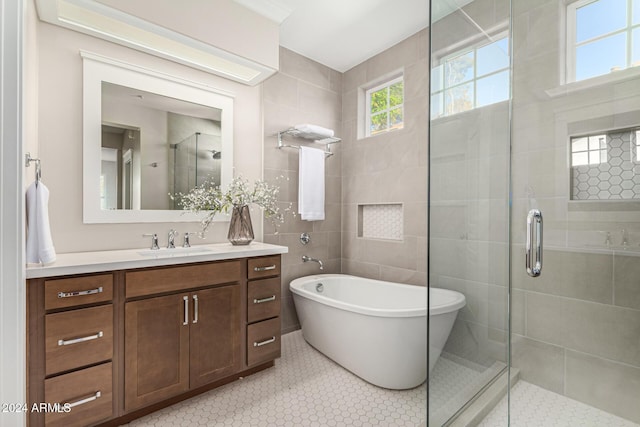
[375, 329]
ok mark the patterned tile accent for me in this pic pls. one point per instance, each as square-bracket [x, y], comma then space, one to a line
[532, 406]
[382, 221]
[615, 176]
[304, 389]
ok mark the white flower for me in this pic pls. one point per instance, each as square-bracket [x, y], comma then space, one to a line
[209, 198]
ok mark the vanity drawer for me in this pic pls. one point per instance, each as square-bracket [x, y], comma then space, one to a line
[78, 338]
[160, 280]
[263, 299]
[64, 293]
[263, 341]
[88, 392]
[264, 267]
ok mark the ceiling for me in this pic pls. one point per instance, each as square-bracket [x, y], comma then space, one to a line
[343, 33]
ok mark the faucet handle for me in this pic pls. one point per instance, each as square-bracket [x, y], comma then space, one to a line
[171, 240]
[154, 240]
[187, 243]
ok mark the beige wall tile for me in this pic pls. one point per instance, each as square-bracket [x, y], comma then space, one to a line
[627, 281]
[607, 385]
[539, 363]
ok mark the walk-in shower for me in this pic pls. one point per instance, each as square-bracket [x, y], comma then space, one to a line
[535, 109]
[195, 159]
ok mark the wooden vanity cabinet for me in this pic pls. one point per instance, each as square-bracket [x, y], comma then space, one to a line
[70, 350]
[179, 342]
[263, 309]
[134, 341]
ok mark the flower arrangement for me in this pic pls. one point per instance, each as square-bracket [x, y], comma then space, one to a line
[210, 198]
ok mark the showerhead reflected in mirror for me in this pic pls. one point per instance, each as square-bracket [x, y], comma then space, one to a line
[153, 146]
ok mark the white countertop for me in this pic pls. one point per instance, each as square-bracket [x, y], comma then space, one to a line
[93, 262]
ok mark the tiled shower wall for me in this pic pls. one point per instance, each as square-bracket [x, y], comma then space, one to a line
[303, 91]
[388, 168]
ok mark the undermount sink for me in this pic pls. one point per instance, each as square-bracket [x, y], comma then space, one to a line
[178, 251]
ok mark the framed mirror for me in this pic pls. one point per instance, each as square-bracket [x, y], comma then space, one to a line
[147, 136]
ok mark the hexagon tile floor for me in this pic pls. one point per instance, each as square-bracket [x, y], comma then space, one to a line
[532, 406]
[304, 389]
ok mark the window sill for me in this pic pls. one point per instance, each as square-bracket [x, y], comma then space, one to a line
[594, 82]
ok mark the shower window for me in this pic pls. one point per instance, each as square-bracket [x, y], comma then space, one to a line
[603, 36]
[385, 106]
[471, 78]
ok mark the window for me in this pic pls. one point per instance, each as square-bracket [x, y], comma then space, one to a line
[471, 79]
[385, 109]
[588, 150]
[602, 36]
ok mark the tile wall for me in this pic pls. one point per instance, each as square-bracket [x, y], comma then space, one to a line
[388, 168]
[303, 91]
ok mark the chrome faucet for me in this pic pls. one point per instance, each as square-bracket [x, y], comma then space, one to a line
[307, 259]
[172, 238]
[154, 240]
[625, 237]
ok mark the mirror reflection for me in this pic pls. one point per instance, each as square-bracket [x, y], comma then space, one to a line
[153, 146]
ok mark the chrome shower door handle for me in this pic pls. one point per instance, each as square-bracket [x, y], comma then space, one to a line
[534, 232]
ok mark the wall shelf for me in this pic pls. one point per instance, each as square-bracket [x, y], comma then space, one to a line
[316, 138]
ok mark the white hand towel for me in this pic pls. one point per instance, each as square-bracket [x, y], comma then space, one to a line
[39, 243]
[311, 184]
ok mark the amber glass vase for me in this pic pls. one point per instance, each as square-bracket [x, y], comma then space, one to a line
[240, 228]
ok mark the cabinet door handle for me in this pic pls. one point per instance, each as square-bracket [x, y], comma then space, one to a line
[79, 293]
[261, 300]
[83, 401]
[185, 299]
[83, 339]
[266, 268]
[195, 309]
[261, 343]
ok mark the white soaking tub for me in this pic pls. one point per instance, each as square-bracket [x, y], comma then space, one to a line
[375, 329]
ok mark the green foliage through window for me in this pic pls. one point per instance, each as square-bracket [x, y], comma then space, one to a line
[385, 107]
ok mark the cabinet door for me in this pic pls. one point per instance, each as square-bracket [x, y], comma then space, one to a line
[215, 334]
[156, 349]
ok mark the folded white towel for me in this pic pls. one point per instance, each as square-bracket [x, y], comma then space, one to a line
[311, 184]
[314, 132]
[39, 243]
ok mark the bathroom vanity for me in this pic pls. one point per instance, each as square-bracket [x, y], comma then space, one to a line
[112, 336]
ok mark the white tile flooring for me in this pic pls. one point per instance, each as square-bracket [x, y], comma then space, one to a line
[304, 389]
[307, 389]
[532, 406]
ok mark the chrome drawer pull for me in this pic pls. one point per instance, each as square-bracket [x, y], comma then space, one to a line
[267, 268]
[185, 299]
[261, 300]
[195, 309]
[83, 401]
[79, 340]
[79, 293]
[260, 344]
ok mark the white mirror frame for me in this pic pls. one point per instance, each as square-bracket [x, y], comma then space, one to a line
[98, 69]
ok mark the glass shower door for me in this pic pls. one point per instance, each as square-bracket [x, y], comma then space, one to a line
[468, 201]
[575, 158]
